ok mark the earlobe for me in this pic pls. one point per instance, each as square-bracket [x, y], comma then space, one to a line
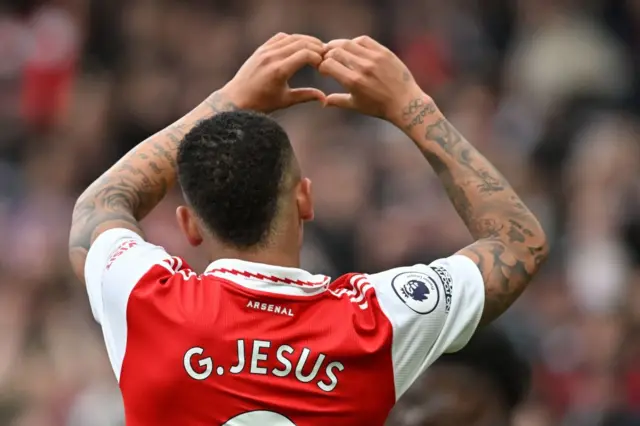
[189, 225]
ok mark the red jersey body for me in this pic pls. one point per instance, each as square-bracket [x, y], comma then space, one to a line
[253, 344]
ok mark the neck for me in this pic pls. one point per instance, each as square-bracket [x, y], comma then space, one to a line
[283, 248]
[282, 251]
[268, 256]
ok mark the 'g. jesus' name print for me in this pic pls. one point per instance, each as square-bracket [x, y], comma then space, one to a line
[256, 358]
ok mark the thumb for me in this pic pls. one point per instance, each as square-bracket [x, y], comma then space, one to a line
[340, 100]
[307, 94]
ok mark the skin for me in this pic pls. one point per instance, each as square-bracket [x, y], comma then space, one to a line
[129, 190]
[510, 245]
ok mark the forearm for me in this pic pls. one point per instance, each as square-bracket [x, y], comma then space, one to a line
[485, 201]
[511, 244]
[132, 187]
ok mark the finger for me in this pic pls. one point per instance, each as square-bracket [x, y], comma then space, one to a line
[332, 68]
[369, 43]
[346, 58]
[339, 42]
[276, 38]
[299, 45]
[358, 49]
[340, 100]
[295, 38]
[349, 46]
[294, 62]
[307, 94]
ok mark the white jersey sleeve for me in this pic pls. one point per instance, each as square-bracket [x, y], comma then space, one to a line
[116, 262]
[433, 309]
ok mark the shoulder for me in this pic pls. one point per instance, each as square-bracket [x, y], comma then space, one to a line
[120, 260]
[357, 288]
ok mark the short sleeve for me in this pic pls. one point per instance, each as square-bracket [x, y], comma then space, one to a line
[116, 262]
[433, 309]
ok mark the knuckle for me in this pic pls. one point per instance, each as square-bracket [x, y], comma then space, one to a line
[333, 54]
[379, 57]
[368, 68]
[300, 44]
[267, 58]
[357, 80]
[278, 72]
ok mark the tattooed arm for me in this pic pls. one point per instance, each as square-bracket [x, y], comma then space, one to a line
[510, 243]
[129, 190]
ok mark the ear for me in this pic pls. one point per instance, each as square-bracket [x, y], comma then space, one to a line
[304, 200]
[189, 225]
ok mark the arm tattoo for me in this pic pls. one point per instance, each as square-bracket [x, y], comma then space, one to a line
[129, 190]
[510, 244]
[416, 112]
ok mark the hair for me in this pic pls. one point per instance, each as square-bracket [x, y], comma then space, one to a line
[491, 353]
[232, 168]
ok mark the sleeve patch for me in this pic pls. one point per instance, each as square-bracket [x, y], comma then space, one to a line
[122, 248]
[447, 283]
[417, 290]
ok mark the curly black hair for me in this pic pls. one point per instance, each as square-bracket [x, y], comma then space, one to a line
[232, 168]
[491, 353]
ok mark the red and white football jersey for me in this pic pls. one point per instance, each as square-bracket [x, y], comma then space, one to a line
[253, 344]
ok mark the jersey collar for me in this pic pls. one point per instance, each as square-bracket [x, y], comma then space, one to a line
[269, 278]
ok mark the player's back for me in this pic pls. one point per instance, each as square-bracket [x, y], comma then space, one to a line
[219, 350]
[253, 344]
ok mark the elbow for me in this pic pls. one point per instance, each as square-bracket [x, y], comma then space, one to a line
[537, 249]
[529, 245]
[543, 252]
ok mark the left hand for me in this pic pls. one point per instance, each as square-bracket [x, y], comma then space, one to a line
[378, 82]
[261, 84]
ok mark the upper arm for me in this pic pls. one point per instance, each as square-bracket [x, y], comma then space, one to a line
[92, 216]
[121, 197]
[433, 309]
[78, 250]
[117, 261]
[505, 275]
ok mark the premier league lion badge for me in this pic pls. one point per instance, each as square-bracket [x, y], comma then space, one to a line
[417, 290]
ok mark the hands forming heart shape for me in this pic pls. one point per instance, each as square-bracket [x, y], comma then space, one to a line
[378, 83]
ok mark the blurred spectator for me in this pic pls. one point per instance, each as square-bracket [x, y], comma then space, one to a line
[547, 89]
[480, 385]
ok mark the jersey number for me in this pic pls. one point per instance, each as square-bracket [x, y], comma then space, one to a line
[259, 418]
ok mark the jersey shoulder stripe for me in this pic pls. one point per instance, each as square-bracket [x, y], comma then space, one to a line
[355, 287]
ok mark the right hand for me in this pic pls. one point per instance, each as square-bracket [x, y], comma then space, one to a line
[261, 84]
[379, 83]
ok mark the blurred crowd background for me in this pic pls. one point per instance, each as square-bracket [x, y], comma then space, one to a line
[547, 89]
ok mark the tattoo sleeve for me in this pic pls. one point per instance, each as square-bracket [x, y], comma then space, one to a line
[130, 189]
[510, 244]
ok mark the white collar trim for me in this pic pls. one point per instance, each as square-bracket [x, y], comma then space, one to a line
[269, 278]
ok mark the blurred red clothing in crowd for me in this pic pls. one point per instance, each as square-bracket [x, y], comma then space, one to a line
[50, 66]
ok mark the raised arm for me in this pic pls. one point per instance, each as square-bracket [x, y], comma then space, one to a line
[130, 189]
[510, 244]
